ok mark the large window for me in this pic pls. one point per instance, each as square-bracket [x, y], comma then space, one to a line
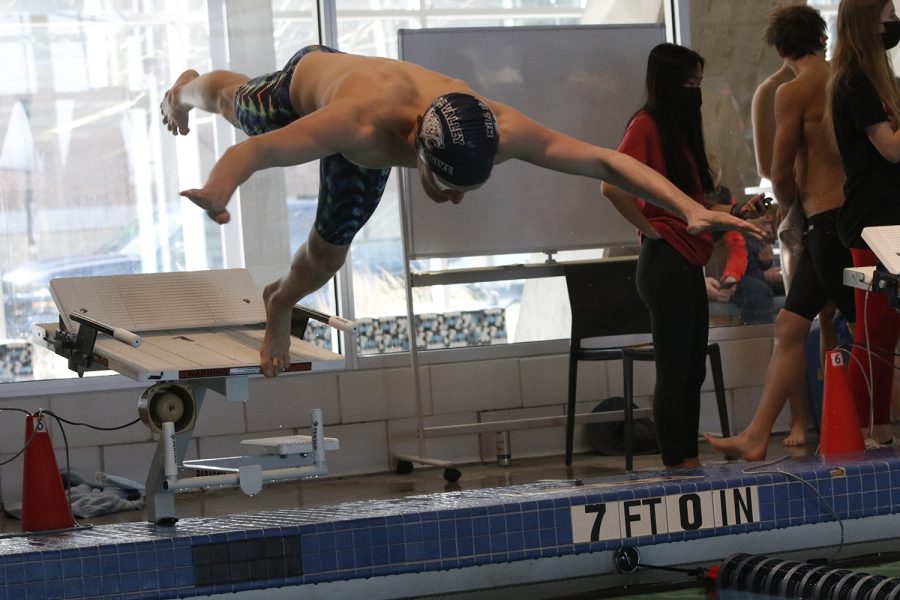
[89, 179]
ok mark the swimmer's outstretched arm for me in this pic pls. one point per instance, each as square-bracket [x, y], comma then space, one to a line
[530, 141]
[321, 133]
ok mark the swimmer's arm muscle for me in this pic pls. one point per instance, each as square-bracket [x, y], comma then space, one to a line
[788, 133]
[304, 140]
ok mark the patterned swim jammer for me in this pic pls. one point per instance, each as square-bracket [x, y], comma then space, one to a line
[348, 193]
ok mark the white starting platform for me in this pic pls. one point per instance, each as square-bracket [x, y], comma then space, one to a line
[188, 332]
[884, 241]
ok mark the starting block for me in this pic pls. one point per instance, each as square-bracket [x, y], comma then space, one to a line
[187, 332]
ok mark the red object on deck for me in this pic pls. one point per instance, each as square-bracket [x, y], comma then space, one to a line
[840, 426]
[44, 502]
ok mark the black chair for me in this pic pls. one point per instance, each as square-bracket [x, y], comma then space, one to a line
[605, 305]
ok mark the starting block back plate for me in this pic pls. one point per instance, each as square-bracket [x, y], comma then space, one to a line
[193, 324]
[161, 301]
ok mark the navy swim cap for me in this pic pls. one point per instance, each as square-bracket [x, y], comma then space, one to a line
[458, 138]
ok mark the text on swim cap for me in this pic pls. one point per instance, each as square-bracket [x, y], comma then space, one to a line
[456, 134]
[488, 120]
[435, 161]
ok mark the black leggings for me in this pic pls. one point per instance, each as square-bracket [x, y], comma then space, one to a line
[675, 293]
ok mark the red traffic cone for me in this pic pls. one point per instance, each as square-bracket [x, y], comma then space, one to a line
[840, 425]
[44, 503]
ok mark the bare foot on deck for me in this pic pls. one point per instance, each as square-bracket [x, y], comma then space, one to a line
[796, 436]
[275, 355]
[174, 113]
[742, 446]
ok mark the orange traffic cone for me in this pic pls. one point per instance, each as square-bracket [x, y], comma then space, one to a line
[840, 425]
[44, 503]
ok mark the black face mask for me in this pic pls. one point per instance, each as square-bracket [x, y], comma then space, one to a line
[891, 35]
[691, 98]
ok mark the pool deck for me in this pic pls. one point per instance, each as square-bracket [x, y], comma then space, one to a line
[489, 541]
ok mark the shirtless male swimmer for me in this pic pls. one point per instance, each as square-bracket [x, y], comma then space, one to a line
[806, 171]
[361, 116]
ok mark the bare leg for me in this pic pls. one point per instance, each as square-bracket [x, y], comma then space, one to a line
[828, 340]
[783, 380]
[797, 434]
[828, 336]
[798, 403]
[314, 263]
[212, 92]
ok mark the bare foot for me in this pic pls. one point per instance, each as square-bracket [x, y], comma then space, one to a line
[275, 356]
[796, 436]
[213, 204]
[742, 446]
[174, 113]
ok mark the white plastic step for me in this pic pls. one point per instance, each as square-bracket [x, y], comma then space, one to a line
[286, 444]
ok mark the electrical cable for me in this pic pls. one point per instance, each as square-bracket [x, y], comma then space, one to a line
[795, 477]
[96, 427]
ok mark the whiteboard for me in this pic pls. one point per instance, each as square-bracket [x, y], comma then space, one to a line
[585, 81]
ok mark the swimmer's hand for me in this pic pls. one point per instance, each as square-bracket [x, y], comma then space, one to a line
[713, 220]
[212, 203]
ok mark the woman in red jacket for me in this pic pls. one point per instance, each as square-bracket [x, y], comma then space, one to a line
[667, 134]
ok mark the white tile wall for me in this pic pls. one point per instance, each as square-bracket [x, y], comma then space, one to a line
[475, 386]
[285, 401]
[363, 449]
[378, 395]
[545, 380]
[220, 416]
[130, 460]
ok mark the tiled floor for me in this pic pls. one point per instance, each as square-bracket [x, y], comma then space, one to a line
[313, 493]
